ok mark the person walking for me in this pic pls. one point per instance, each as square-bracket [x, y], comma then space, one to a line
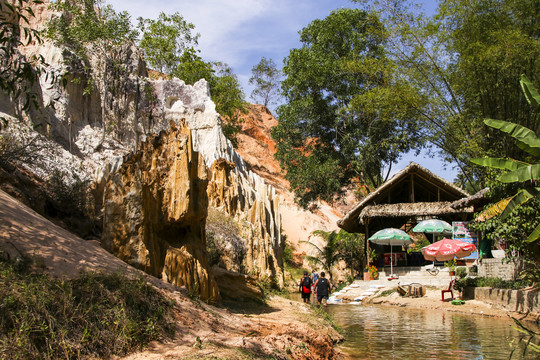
[305, 287]
[322, 288]
[314, 277]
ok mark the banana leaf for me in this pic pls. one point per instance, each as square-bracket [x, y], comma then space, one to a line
[531, 94]
[521, 133]
[498, 163]
[535, 235]
[524, 173]
[535, 151]
[494, 210]
[520, 198]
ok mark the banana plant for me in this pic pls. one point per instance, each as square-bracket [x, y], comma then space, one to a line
[515, 170]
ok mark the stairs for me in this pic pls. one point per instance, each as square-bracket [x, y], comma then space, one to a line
[412, 274]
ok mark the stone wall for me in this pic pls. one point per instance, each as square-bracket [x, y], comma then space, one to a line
[521, 301]
[499, 268]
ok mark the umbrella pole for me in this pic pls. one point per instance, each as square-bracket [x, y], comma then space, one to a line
[391, 261]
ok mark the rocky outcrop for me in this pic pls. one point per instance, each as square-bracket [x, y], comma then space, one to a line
[155, 212]
[232, 188]
[108, 109]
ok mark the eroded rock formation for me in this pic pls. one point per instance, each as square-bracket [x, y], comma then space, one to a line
[155, 211]
[148, 206]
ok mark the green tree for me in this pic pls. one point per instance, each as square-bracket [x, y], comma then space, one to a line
[344, 118]
[464, 62]
[17, 74]
[338, 246]
[523, 174]
[328, 255]
[164, 40]
[351, 250]
[266, 78]
[93, 31]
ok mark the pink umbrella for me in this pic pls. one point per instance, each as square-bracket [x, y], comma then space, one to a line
[446, 249]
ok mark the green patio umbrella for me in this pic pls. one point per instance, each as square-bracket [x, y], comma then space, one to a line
[435, 227]
[392, 237]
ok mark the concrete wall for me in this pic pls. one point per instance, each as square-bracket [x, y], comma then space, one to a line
[498, 268]
[522, 301]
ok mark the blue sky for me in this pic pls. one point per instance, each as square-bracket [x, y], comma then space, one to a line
[240, 32]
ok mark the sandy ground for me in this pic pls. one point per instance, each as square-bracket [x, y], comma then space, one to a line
[282, 329]
[432, 300]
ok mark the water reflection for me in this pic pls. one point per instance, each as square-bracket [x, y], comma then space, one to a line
[380, 332]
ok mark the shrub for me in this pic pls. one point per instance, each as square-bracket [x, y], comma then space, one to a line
[491, 282]
[94, 316]
[461, 272]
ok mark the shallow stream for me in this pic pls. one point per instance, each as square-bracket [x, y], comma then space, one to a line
[384, 332]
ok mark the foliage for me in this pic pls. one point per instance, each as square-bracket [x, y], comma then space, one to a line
[328, 255]
[266, 79]
[418, 245]
[463, 62]
[80, 25]
[288, 257]
[19, 145]
[229, 98]
[451, 264]
[523, 207]
[339, 246]
[170, 46]
[461, 272]
[70, 192]
[344, 115]
[94, 316]
[165, 40]
[373, 271]
[473, 270]
[17, 74]
[496, 283]
[371, 255]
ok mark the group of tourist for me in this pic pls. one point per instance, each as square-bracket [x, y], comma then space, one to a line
[318, 285]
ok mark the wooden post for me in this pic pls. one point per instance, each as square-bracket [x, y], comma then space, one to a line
[366, 245]
[412, 189]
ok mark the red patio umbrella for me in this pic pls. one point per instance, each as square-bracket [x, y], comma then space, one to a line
[446, 249]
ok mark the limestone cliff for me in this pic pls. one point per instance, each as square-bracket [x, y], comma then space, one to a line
[152, 216]
[155, 211]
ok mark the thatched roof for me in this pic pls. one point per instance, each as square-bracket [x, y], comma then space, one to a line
[379, 198]
[410, 209]
[476, 199]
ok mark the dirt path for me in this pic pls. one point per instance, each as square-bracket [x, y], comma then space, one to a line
[281, 329]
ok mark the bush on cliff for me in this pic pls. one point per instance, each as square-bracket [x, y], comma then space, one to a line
[94, 316]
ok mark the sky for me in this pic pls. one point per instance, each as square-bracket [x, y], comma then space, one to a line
[241, 32]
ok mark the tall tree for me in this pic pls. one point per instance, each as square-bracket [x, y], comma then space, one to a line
[344, 116]
[164, 40]
[465, 61]
[266, 78]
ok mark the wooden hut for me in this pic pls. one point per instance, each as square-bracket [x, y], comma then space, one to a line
[411, 195]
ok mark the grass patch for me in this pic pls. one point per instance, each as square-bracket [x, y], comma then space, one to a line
[321, 313]
[386, 293]
[93, 316]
